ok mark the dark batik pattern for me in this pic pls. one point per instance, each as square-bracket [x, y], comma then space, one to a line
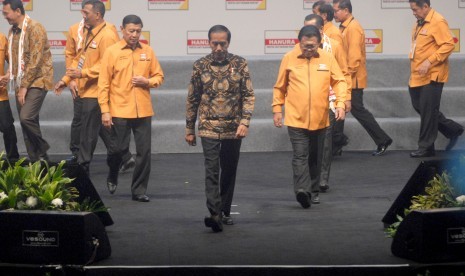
[221, 95]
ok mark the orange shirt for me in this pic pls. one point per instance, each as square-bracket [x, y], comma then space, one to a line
[72, 42]
[117, 94]
[302, 87]
[100, 38]
[3, 58]
[333, 32]
[340, 55]
[432, 41]
[353, 37]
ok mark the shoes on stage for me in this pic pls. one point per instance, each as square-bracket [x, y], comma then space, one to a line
[381, 150]
[72, 159]
[315, 198]
[324, 188]
[227, 220]
[453, 141]
[337, 152]
[112, 185]
[214, 222]
[303, 198]
[422, 153]
[126, 166]
[141, 198]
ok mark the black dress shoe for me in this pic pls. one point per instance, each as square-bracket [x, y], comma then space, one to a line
[141, 198]
[227, 220]
[71, 160]
[125, 167]
[382, 148]
[453, 141]
[111, 185]
[422, 153]
[324, 188]
[214, 222]
[303, 198]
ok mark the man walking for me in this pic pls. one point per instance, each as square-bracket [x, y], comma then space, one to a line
[354, 42]
[31, 74]
[221, 93]
[431, 47]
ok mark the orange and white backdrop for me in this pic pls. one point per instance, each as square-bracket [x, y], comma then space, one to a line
[259, 27]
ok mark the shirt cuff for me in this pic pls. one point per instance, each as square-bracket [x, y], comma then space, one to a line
[277, 109]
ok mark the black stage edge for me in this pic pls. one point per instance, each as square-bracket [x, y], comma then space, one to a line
[272, 235]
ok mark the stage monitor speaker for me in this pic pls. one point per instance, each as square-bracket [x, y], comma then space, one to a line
[52, 237]
[86, 189]
[415, 186]
[428, 236]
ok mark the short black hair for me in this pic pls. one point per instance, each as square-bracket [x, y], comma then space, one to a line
[420, 3]
[344, 4]
[318, 3]
[219, 29]
[310, 31]
[318, 20]
[97, 6]
[84, 3]
[132, 19]
[328, 10]
[14, 5]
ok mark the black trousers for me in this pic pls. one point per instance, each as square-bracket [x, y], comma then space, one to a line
[307, 147]
[426, 101]
[76, 131]
[91, 128]
[327, 156]
[120, 134]
[36, 145]
[221, 159]
[366, 119]
[8, 129]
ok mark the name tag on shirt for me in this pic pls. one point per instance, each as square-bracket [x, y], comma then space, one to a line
[93, 45]
[143, 57]
[322, 67]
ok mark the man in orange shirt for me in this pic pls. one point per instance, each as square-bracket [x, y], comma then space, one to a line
[354, 43]
[6, 116]
[432, 45]
[85, 71]
[302, 87]
[331, 46]
[129, 70]
[74, 44]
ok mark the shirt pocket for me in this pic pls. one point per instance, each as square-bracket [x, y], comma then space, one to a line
[123, 63]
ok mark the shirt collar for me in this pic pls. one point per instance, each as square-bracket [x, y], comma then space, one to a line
[429, 17]
[220, 63]
[347, 21]
[125, 45]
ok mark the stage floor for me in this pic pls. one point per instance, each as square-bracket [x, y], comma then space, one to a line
[271, 229]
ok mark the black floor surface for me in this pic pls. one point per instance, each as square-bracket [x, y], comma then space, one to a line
[270, 226]
[272, 234]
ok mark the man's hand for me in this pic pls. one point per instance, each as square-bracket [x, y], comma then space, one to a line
[4, 80]
[348, 106]
[106, 120]
[340, 114]
[424, 67]
[74, 73]
[59, 86]
[140, 81]
[73, 87]
[22, 95]
[278, 119]
[242, 131]
[191, 139]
